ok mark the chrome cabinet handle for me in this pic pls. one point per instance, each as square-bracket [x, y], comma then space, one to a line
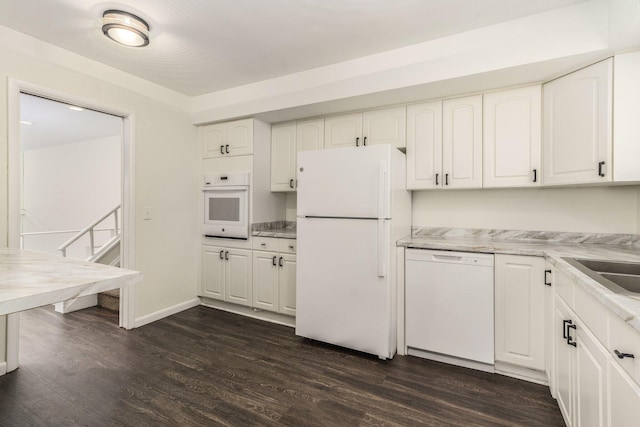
[623, 355]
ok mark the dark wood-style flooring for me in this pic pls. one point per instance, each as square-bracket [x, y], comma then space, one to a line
[208, 367]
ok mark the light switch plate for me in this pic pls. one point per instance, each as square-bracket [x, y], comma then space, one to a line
[146, 213]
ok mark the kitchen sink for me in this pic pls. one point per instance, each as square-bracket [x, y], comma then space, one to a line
[619, 277]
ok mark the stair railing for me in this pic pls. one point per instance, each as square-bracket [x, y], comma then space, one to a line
[91, 229]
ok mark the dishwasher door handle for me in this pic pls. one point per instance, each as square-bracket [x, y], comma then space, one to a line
[447, 257]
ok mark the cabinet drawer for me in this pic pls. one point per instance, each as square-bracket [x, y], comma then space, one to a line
[592, 313]
[625, 339]
[287, 246]
[265, 244]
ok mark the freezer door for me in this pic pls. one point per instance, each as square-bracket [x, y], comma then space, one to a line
[344, 294]
[345, 182]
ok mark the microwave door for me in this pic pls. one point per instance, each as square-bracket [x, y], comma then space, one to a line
[226, 212]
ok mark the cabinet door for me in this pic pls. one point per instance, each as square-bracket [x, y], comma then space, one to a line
[577, 126]
[265, 280]
[283, 157]
[424, 146]
[623, 401]
[626, 104]
[590, 380]
[343, 131]
[238, 276]
[512, 137]
[564, 356]
[462, 142]
[287, 285]
[520, 307]
[212, 140]
[310, 134]
[385, 127]
[239, 137]
[213, 277]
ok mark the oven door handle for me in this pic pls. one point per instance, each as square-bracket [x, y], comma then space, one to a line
[226, 188]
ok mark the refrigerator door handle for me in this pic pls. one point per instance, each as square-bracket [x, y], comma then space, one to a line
[382, 249]
[382, 183]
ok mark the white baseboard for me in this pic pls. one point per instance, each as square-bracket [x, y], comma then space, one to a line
[267, 316]
[166, 312]
[76, 304]
[465, 363]
[526, 374]
[3, 368]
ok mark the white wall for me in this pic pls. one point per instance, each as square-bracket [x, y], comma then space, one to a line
[591, 210]
[66, 187]
[166, 161]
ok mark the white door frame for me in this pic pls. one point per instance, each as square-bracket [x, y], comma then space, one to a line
[127, 244]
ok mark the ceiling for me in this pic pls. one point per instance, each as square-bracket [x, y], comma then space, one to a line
[54, 123]
[202, 46]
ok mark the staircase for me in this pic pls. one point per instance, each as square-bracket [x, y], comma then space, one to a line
[108, 253]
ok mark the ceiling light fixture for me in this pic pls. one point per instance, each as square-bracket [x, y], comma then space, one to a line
[75, 108]
[125, 28]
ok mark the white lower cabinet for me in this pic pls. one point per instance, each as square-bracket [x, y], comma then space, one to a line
[519, 312]
[227, 274]
[593, 385]
[581, 370]
[274, 279]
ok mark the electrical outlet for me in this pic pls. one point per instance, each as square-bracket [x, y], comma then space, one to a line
[146, 213]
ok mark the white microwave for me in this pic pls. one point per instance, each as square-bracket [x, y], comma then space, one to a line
[226, 205]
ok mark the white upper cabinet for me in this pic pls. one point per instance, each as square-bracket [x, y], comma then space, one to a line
[371, 127]
[424, 146]
[512, 137]
[385, 127]
[626, 126]
[310, 135]
[462, 142]
[227, 139]
[577, 127]
[283, 157]
[343, 131]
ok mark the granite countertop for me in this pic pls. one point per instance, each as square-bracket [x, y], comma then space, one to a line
[32, 279]
[553, 248]
[280, 229]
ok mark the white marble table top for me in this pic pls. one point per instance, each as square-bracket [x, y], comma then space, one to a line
[32, 279]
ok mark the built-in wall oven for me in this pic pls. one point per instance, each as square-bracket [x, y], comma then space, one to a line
[226, 205]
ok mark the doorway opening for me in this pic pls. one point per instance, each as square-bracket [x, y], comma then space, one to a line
[71, 186]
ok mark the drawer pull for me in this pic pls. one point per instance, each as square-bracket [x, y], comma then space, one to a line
[263, 245]
[570, 339]
[290, 246]
[623, 355]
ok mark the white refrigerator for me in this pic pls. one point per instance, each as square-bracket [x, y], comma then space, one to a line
[352, 207]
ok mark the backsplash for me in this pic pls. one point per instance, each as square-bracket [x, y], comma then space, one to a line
[274, 225]
[530, 236]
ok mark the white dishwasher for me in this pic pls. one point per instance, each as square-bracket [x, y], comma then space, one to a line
[449, 307]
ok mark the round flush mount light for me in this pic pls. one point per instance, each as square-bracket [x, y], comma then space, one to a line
[125, 28]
